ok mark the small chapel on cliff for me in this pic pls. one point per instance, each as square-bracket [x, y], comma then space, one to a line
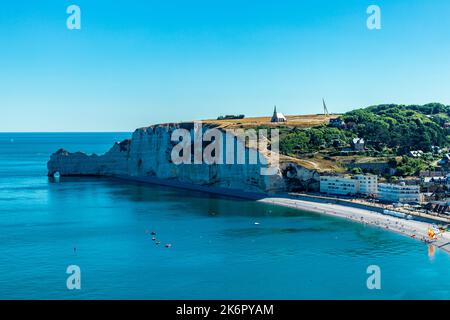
[277, 116]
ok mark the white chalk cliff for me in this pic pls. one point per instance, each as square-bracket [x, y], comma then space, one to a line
[148, 155]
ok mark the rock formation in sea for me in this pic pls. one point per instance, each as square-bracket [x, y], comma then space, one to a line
[148, 155]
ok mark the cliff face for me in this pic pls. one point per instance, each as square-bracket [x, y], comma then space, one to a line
[148, 154]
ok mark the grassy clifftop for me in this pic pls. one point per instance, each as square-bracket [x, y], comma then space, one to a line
[389, 131]
[299, 121]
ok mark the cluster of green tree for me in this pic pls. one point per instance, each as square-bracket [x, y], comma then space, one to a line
[297, 141]
[400, 128]
[427, 109]
[231, 117]
[441, 118]
[411, 166]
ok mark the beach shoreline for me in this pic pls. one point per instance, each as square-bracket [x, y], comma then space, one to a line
[412, 228]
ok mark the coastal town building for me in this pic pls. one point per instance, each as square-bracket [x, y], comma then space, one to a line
[436, 150]
[432, 181]
[338, 185]
[434, 187]
[349, 185]
[445, 161]
[429, 173]
[416, 153]
[439, 207]
[358, 144]
[336, 123]
[368, 184]
[399, 193]
[277, 116]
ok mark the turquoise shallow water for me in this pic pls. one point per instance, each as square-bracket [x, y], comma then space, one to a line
[217, 249]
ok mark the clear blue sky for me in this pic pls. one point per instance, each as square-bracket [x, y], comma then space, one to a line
[134, 63]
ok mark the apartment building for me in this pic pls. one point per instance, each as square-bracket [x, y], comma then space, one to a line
[368, 184]
[346, 185]
[399, 193]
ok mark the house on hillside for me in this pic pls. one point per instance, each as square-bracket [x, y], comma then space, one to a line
[429, 173]
[358, 144]
[336, 123]
[436, 150]
[416, 153]
[445, 161]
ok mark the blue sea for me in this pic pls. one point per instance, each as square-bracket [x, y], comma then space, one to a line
[222, 248]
